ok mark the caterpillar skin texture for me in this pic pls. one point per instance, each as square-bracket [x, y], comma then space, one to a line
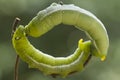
[46, 20]
[56, 14]
[50, 65]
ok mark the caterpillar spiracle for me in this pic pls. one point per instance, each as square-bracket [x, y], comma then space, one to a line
[46, 20]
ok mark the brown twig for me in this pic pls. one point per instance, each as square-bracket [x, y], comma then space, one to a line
[15, 24]
[88, 59]
[16, 68]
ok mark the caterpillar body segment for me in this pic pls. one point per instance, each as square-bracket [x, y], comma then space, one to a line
[46, 20]
[48, 64]
[70, 14]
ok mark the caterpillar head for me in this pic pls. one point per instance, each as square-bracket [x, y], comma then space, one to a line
[19, 34]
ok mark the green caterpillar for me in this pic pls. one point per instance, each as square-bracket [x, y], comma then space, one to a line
[48, 19]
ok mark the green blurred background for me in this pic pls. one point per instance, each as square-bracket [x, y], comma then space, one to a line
[61, 41]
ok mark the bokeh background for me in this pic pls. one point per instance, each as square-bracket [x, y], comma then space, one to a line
[61, 41]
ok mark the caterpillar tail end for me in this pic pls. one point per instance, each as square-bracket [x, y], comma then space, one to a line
[80, 44]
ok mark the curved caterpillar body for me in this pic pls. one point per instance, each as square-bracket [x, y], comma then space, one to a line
[48, 19]
[71, 15]
[46, 63]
